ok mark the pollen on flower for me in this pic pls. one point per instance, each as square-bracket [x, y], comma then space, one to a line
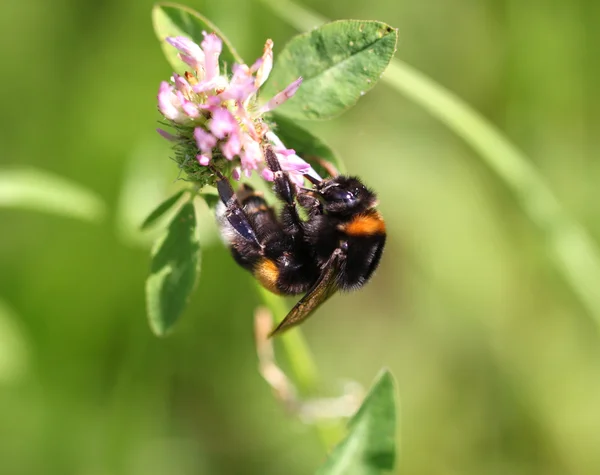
[217, 121]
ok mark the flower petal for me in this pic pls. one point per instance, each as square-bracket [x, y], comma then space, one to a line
[222, 123]
[266, 64]
[281, 97]
[212, 46]
[267, 174]
[204, 140]
[293, 163]
[169, 103]
[251, 155]
[297, 178]
[203, 159]
[236, 173]
[241, 86]
[181, 84]
[214, 84]
[190, 109]
[247, 124]
[190, 52]
[290, 162]
[232, 147]
[167, 135]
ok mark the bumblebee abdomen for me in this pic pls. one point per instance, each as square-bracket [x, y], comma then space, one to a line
[286, 274]
[267, 273]
[364, 236]
[364, 225]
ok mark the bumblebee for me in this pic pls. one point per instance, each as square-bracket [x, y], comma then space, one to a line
[337, 246]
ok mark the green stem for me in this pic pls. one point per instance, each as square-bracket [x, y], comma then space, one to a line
[302, 365]
[573, 250]
[301, 361]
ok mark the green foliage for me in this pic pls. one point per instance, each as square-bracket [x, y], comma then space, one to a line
[499, 365]
[170, 19]
[370, 446]
[339, 62]
[210, 199]
[14, 354]
[173, 272]
[161, 209]
[41, 191]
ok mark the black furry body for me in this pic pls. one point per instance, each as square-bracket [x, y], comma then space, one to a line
[337, 247]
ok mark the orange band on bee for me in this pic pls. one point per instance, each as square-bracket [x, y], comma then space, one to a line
[253, 209]
[267, 273]
[365, 225]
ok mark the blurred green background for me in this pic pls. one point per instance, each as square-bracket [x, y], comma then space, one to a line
[497, 362]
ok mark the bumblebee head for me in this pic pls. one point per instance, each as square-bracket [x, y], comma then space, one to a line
[344, 195]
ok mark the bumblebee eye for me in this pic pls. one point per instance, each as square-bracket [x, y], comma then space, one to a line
[345, 196]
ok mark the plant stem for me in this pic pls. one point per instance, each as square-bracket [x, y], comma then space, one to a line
[574, 252]
[302, 365]
[301, 361]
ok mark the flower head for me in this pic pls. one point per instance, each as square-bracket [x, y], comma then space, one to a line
[217, 118]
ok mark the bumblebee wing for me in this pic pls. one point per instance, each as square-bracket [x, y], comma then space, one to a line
[325, 286]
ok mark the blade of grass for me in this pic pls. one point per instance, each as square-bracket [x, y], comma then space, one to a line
[574, 252]
[38, 190]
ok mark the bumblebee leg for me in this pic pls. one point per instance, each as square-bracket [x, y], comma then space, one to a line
[286, 191]
[233, 211]
[311, 204]
[283, 187]
[262, 217]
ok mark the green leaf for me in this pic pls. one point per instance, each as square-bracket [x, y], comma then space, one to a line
[370, 447]
[339, 61]
[161, 209]
[41, 191]
[310, 148]
[171, 19]
[210, 199]
[174, 270]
